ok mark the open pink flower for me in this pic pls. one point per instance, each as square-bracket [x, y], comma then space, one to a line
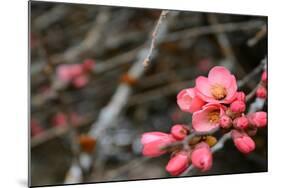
[243, 142]
[178, 163]
[219, 87]
[188, 101]
[202, 157]
[208, 118]
[153, 143]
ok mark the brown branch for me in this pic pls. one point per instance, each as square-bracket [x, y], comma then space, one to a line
[154, 37]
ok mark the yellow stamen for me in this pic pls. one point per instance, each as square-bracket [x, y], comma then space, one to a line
[218, 92]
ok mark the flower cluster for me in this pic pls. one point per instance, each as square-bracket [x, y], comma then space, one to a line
[75, 74]
[215, 103]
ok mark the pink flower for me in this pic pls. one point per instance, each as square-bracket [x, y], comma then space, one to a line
[153, 142]
[178, 163]
[258, 119]
[208, 118]
[68, 72]
[59, 119]
[179, 132]
[80, 81]
[36, 128]
[188, 101]
[240, 96]
[201, 156]
[241, 122]
[261, 92]
[225, 121]
[243, 142]
[264, 76]
[219, 87]
[238, 106]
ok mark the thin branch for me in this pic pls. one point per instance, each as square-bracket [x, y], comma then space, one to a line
[259, 35]
[154, 37]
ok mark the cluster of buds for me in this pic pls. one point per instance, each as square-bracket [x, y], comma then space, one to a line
[215, 103]
[75, 74]
[262, 89]
[199, 154]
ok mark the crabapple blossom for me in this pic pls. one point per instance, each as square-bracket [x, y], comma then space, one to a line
[153, 142]
[258, 119]
[59, 119]
[243, 142]
[88, 65]
[219, 87]
[179, 132]
[202, 157]
[178, 163]
[208, 118]
[264, 76]
[241, 122]
[80, 81]
[188, 101]
[240, 96]
[261, 92]
[225, 121]
[238, 106]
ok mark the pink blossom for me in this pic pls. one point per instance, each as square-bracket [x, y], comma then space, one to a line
[59, 119]
[261, 92]
[153, 142]
[243, 142]
[238, 106]
[219, 87]
[241, 122]
[225, 121]
[179, 132]
[208, 118]
[178, 163]
[36, 128]
[258, 119]
[80, 81]
[201, 156]
[264, 76]
[68, 72]
[188, 101]
[240, 96]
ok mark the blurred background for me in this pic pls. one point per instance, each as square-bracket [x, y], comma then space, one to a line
[100, 44]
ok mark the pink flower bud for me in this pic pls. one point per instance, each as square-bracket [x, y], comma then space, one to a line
[80, 81]
[36, 128]
[264, 76]
[88, 65]
[201, 156]
[153, 142]
[178, 163]
[66, 73]
[241, 122]
[179, 132]
[243, 142]
[258, 119]
[240, 96]
[59, 119]
[225, 121]
[261, 92]
[238, 106]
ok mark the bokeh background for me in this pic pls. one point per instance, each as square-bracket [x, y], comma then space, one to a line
[111, 38]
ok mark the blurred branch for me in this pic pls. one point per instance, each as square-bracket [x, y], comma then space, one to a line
[154, 37]
[259, 35]
[111, 111]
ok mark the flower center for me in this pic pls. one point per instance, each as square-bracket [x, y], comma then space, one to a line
[218, 92]
[214, 116]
